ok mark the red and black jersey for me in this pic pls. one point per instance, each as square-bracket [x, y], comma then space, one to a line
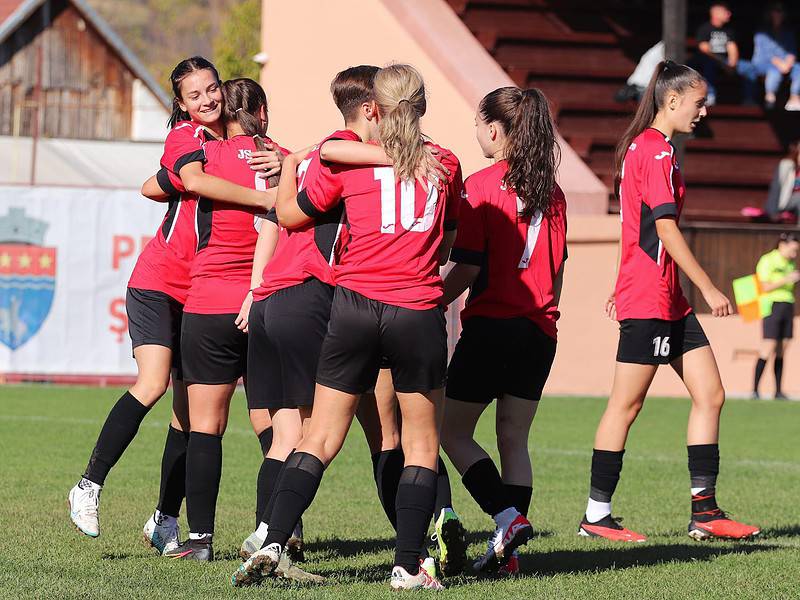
[395, 229]
[164, 263]
[519, 257]
[308, 251]
[226, 233]
[651, 188]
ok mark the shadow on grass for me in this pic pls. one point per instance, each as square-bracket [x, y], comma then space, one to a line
[785, 531]
[331, 548]
[602, 559]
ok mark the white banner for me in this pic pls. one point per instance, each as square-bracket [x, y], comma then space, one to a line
[65, 258]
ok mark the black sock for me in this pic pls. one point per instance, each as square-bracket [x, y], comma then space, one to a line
[296, 489]
[519, 496]
[265, 439]
[387, 465]
[778, 374]
[444, 498]
[484, 484]
[118, 431]
[263, 477]
[606, 467]
[267, 480]
[760, 365]
[173, 472]
[703, 470]
[203, 472]
[416, 495]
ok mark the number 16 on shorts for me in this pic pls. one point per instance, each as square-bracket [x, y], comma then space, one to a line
[661, 346]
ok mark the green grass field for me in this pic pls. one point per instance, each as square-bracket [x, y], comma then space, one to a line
[46, 434]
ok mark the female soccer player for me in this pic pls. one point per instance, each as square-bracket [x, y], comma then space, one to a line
[510, 252]
[156, 293]
[777, 274]
[385, 304]
[657, 325]
[291, 302]
[213, 348]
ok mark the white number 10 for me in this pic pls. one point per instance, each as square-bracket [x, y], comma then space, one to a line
[408, 218]
[531, 237]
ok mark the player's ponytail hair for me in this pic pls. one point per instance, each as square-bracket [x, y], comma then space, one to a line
[400, 98]
[669, 76]
[531, 150]
[243, 101]
[179, 73]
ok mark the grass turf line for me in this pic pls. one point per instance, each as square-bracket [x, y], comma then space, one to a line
[46, 435]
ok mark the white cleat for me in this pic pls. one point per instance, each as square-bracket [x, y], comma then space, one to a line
[162, 532]
[250, 545]
[402, 580]
[84, 500]
[261, 564]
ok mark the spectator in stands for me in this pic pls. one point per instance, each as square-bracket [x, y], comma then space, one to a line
[775, 56]
[777, 274]
[641, 75]
[718, 50]
[784, 190]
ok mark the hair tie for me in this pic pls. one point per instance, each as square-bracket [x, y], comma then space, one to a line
[399, 102]
[237, 110]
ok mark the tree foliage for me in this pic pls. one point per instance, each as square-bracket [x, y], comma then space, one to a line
[239, 40]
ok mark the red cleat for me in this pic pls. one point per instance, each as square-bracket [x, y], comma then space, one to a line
[716, 525]
[511, 568]
[609, 528]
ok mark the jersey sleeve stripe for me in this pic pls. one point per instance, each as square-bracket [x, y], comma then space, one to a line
[305, 204]
[162, 177]
[467, 257]
[196, 156]
[272, 215]
[665, 210]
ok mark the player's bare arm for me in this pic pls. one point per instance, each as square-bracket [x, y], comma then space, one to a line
[676, 246]
[198, 182]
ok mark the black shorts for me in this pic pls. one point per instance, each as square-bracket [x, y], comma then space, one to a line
[286, 333]
[658, 342]
[213, 349]
[495, 357]
[155, 318]
[363, 331]
[779, 325]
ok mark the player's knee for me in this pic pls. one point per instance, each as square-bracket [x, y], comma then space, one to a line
[149, 391]
[512, 441]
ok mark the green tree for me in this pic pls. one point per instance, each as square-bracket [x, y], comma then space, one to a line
[238, 40]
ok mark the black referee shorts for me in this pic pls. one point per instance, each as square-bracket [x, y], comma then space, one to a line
[495, 357]
[213, 349]
[286, 331]
[779, 325]
[155, 318]
[658, 342]
[363, 331]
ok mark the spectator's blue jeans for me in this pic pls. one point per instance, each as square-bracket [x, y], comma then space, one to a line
[772, 76]
[710, 68]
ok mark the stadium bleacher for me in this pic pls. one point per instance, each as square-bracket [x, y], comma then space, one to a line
[579, 52]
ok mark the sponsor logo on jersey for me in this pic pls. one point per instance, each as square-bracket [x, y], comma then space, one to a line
[664, 154]
[27, 277]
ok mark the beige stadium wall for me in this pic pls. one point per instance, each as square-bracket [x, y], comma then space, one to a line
[307, 41]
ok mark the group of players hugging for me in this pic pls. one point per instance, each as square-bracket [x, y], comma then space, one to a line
[315, 276]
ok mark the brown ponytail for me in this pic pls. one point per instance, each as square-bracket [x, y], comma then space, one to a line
[531, 150]
[668, 77]
[243, 101]
[400, 97]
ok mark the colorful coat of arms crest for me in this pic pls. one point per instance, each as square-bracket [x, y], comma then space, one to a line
[27, 277]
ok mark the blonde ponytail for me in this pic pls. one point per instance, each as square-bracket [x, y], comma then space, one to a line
[400, 97]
